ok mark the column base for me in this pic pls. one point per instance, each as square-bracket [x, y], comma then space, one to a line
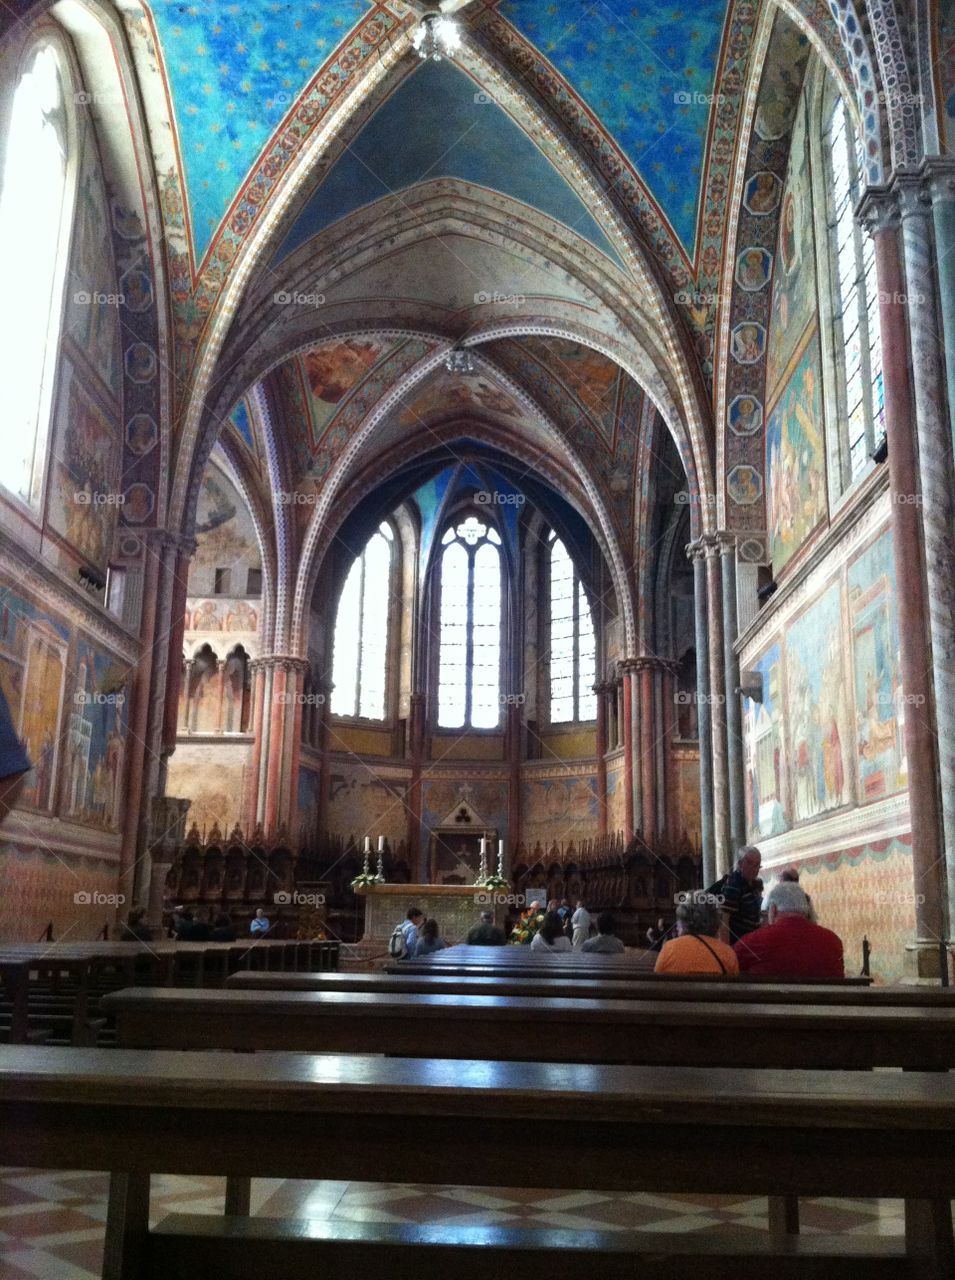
[921, 962]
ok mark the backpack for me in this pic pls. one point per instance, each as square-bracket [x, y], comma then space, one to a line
[398, 944]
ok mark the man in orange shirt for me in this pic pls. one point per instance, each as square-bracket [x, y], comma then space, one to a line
[696, 948]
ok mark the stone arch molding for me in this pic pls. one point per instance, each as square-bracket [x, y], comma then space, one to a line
[264, 239]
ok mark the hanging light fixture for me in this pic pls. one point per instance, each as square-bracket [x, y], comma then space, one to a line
[459, 360]
[436, 37]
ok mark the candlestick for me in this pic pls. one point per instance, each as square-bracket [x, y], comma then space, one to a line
[500, 859]
[380, 877]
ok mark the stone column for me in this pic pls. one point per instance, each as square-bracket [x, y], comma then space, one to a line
[880, 213]
[417, 855]
[941, 186]
[668, 681]
[696, 553]
[601, 691]
[648, 748]
[937, 483]
[631, 739]
[734, 711]
[714, 608]
[258, 720]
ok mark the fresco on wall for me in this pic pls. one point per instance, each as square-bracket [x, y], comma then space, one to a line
[333, 370]
[96, 741]
[92, 304]
[879, 701]
[766, 798]
[225, 537]
[690, 807]
[794, 282]
[558, 809]
[795, 459]
[84, 496]
[616, 807]
[215, 787]
[362, 803]
[487, 798]
[817, 710]
[309, 792]
[33, 659]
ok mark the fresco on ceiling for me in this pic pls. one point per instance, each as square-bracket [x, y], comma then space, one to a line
[92, 301]
[796, 459]
[794, 282]
[334, 369]
[96, 742]
[589, 375]
[439, 124]
[946, 69]
[817, 710]
[447, 395]
[647, 73]
[430, 499]
[782, 79]
[879, 700]
[560, 809]
[241, 419]
[33, 661]
[764, 759]
[87, 452]
[234, 71]
[748, 342]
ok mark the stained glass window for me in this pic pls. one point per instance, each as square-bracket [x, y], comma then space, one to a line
[469, 662]
[34, 232]
[360, 659]
[573, 652]
[862, 393]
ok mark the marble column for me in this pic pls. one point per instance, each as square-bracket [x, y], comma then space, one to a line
[417, 854]
[937, 484]
[941, 186]
[734, 710]
[631, 743]
[880, 212]
[258, 720]
[696, 553]
[714, 620]
[648, 748]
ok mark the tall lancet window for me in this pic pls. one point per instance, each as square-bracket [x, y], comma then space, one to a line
[469, 667]
[35, 217]
[573, 649]
[855, 298]
[360, 659]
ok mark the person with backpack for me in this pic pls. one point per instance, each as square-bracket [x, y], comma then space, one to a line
[404, 940]
[696, 948]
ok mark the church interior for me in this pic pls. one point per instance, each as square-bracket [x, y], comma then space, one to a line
[476, 456]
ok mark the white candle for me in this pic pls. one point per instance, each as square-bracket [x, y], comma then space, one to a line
[483, 845]
[381, 844]
[500, 849]
[368, 844]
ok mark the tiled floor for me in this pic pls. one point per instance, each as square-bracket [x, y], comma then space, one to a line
[51, 1225]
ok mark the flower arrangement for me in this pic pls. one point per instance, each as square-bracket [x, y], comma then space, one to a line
[364, 881]
[498, 883]
[527, 925]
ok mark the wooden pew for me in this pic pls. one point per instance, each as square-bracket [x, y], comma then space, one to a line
[753, 1133]
[645, 987]
[522, 1028]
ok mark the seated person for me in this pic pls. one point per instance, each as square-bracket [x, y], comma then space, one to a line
[486, 934]
[193, 929]
[429, 939]
[136, 929]
[223, 930]
[550, 936]
[790, 945]
[260, 924]
[605, 941]
[408, 930]
[696, 948]
[581, 923]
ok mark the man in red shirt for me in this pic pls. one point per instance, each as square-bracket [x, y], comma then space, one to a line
[790, 946]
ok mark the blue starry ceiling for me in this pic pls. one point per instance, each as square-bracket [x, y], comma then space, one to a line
[234, 71]
[438, 125]
[646, 72]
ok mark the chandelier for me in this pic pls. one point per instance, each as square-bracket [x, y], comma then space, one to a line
[459, 360]
[436, 37]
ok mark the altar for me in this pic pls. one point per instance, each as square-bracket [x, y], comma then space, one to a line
[456, 907]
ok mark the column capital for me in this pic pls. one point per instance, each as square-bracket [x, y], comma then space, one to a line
[166, 540]
[915, 200]
[696, 550]
[726, 540]
[280, 662]
[878, 210]
[939, 172]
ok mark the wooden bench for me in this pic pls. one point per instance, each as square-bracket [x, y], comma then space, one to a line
[524, 1028]
[647, 987]
[678, 1130]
